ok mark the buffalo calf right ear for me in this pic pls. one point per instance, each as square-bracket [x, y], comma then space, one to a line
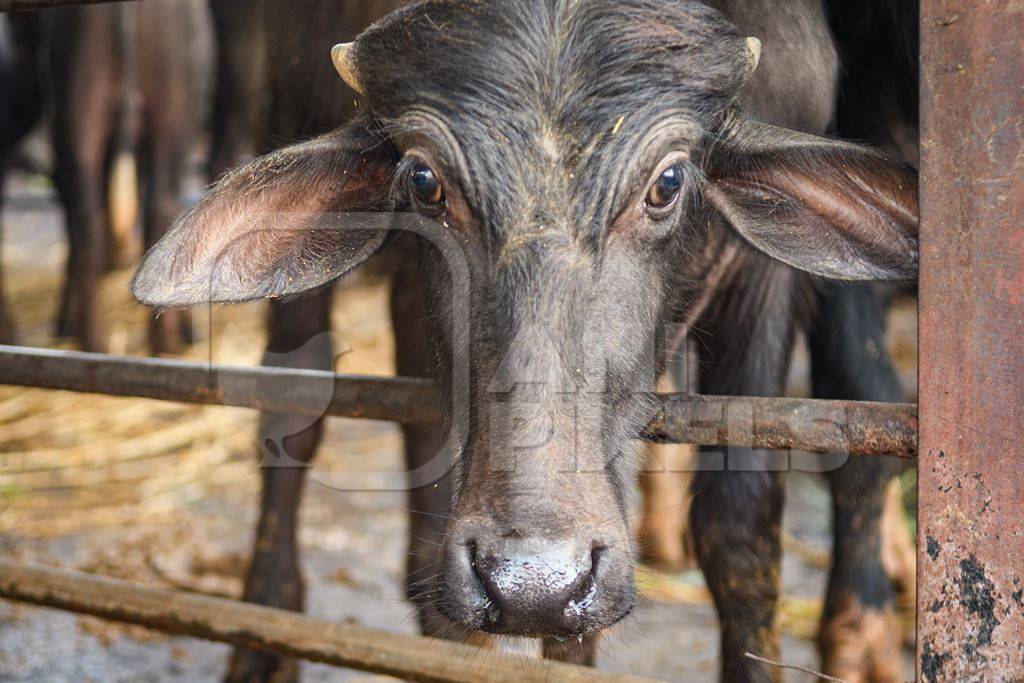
[280, 225]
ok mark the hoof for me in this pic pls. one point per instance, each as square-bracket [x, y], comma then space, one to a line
[861, 645]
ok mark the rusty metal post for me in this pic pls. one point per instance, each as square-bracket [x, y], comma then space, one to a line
[971, 474]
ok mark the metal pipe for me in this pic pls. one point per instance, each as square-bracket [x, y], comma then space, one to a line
[857, 428]
[290, 634]
[852, 427]
[282, 390]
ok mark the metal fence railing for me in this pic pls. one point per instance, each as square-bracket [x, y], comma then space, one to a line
[854, 427]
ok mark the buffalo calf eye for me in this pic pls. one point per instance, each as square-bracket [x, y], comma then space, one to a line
[424, 185]
[665, 190]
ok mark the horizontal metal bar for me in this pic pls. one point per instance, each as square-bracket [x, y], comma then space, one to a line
[24, 5]
[853, 427]
[283, 390]
[819, 426]
[266, 629]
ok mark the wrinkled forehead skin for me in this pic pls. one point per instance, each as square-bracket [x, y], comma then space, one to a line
[528, 84]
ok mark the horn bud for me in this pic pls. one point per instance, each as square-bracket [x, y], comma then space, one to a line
[341, 56]
[754, 47]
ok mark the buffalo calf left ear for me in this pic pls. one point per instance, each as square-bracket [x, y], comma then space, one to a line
[828, 207]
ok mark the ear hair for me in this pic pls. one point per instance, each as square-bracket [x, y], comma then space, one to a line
[277, 226]
[828, 207]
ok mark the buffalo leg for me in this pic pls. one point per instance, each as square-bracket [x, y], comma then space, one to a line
[429, 501]
[736, 520]
[288, 444]
[428, 505]
[85, 94]
[8, 335]
[171, 80]
[237, 98]
[737, 499]
[860, 637]
[79, 180]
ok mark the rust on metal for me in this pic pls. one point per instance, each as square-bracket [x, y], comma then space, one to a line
[281, 390]
[857, 428]
[971, 476]
[853, 427]
[412, 658]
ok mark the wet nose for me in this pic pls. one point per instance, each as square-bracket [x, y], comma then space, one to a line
[536, 586]
[541, 584]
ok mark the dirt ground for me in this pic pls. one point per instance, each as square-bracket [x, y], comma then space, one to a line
[166, 494]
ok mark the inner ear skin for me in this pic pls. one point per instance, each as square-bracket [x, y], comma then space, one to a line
[839, 193]
[833, 177]
[831, 208]
[270, 228]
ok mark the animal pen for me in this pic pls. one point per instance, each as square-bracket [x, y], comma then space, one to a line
[964, 435]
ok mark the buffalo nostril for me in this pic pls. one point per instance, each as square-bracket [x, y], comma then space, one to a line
[490, 606]
[597, 559]
[596, 554]
[586, 586]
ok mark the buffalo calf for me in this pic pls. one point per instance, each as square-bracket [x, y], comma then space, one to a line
[588, 179]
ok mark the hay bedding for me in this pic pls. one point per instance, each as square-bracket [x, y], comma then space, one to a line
[73, 462]
[134, 488]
